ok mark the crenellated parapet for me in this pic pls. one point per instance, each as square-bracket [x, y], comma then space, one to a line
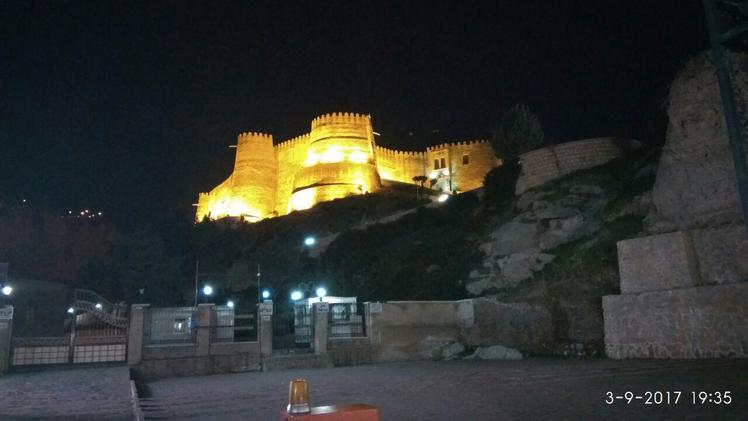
[294, 142]
[464, 143]
[394, 153]
[345, 118]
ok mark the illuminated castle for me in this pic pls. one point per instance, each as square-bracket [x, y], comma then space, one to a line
[337, 158]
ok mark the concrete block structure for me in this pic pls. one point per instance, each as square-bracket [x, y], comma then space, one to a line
[337, 158]
[683, 295]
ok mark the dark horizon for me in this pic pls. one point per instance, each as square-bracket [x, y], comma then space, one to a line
[129, 107]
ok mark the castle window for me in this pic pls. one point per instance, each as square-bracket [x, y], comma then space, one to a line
[436, 164]
[465, 159]
[444, 165]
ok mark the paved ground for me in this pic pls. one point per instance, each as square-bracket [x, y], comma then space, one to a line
[67, 393]
[535, 389]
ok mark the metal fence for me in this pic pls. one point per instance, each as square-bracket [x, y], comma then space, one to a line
[346, 320]
[170, 325]
[234, 324]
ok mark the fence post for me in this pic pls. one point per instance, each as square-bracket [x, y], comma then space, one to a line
[136, 333]
[205, 324]
[265, 327]
[321, 314]
[371, 311]
[6, 329]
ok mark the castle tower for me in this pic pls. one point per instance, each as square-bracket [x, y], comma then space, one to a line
[254, 180]
[340, 161]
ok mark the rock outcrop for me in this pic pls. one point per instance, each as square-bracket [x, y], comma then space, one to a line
[547, 219]
[695, 184]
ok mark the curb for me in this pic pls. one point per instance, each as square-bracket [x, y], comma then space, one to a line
[136, 411]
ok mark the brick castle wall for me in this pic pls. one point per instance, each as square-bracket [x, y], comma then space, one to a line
[546, 164]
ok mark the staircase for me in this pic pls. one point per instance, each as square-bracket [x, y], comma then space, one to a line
[92, 303]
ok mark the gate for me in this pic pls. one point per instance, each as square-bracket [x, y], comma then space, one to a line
[293, 329]
[94, 331]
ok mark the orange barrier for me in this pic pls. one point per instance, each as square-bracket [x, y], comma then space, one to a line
[298, 408]
[352, 412]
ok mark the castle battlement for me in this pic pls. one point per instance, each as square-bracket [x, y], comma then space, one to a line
[246, 136]
[293, 142]
[350, 118]
[270, 180]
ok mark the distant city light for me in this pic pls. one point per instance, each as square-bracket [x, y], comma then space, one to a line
[208, 290]
[71, 310]
[321, 292]
[443, 198]
[7, 290]
[230, 304]
[99, 306]
[309, 241]
[296, 295]
[265, 294]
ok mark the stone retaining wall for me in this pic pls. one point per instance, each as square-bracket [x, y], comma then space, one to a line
[701, 322]
[545, 164]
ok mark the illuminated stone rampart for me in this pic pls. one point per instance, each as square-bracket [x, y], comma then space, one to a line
[337, 158]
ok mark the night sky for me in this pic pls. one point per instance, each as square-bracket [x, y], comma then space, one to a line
[129, 106]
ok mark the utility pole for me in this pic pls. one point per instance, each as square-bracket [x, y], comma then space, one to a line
[197, 266]
[259, 289]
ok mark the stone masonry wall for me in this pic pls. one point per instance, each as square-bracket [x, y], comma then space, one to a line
[703, 322]
[545, 164]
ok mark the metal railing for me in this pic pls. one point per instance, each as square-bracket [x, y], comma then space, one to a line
[346, 321]
[170, 325]
[234, 325]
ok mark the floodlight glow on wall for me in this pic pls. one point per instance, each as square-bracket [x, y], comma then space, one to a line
[296, 295]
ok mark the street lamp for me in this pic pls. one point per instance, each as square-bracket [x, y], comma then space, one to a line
[71, 310]
[321, 292]
[99, 306]
[230, 304]
[208, 290]
[296, 295]
[7, 290]
[310, 241]
[265, 294]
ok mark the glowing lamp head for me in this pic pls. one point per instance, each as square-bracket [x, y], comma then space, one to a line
[208, 290]
[230, 304]
[7, 290]
[321, 292]
[310, 241]
[99, 306]
[265, 294]
[443, 198]
[71, 310]
[296, 295]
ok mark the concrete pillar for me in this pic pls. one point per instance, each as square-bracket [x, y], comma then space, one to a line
[6, 330]
[371, 313]
[265, 327]
[205, 323]
[136, 333]
[321, 313]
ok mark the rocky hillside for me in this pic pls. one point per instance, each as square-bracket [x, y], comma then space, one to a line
[556, 247]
